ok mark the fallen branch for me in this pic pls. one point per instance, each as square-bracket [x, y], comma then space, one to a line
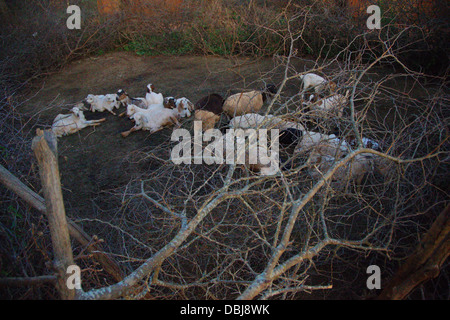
[425, 263]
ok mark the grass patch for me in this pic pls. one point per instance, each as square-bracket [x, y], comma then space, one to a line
[173, 43]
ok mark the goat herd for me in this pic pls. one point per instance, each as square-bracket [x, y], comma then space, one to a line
[322, 150]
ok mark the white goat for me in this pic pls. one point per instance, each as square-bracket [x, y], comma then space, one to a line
[318, 83]
[103, 102]
[254, 120]
[324, 150]
[132, 109]
[153, 119]
[153, 97]
[251, 154]
[65, 124]
[315, 145]
[354, 170]
[333, 105]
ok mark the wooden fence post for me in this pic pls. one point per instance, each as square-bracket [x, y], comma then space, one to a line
[44, 146]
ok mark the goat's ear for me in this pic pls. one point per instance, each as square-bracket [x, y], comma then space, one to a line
[181, 106]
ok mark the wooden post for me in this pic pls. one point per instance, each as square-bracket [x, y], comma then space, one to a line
[44, 146]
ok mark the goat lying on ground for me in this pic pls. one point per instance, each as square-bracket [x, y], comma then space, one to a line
[316, 82]
[332, 106]
[152, 119]
[133, 109]
[254, 120]
[355, 170]
[247, 102]
[65, 124]
[246, 152]
[183, 105]
[103, 102]
[208, 110]
[125, 99]
[152, 97]
[323, 151]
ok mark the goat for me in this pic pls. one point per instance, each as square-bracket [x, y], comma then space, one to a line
[153, 120]
[65, 124]
[252, 155]
[208, 110]
[124, 99]
[333, 105]
[183, 105]
[133, 109]
[254, 120]
[316, 82]
[290, 137]
[251, 120]
[152, 97]
[103, 102]
[323, 150]
[247, 102]
[354, 170]
[317, 144]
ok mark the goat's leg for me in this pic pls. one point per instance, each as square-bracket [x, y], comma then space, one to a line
[156, 130]
[94, 122]
[175, 121]
[127, 133]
